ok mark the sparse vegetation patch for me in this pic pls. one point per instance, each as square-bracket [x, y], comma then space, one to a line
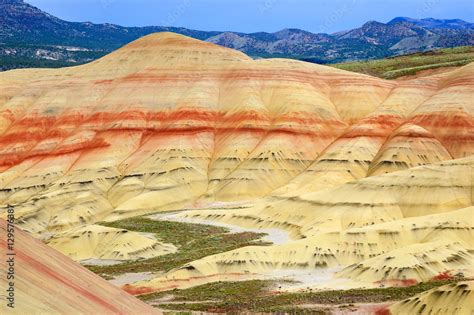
[259, 296]
[194, 241]
[395, 67]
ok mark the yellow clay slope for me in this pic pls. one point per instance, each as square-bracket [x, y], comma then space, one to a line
[449, 299]
[99, 242]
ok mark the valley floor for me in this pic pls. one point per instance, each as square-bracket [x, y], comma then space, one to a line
[283, 291]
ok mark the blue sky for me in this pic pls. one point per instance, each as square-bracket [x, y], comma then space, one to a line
[254, 15]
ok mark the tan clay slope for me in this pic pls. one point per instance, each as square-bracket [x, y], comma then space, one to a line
[409, 146]
[396, 253]
[381, 235]
[46, 282]
[100, 242]
[168, 121]
[419, 262]
[438, 104]
[415, 192]
[449, 299]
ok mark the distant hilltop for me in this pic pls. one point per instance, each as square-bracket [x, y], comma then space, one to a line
[30, 37]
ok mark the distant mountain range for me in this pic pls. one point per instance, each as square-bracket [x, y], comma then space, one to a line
[30, 37]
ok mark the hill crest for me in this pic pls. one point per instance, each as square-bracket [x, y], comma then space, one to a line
[31, 37]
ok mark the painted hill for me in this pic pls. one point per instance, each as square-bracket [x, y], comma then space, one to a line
[30, 37]
[372, 179]
[47, 282]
